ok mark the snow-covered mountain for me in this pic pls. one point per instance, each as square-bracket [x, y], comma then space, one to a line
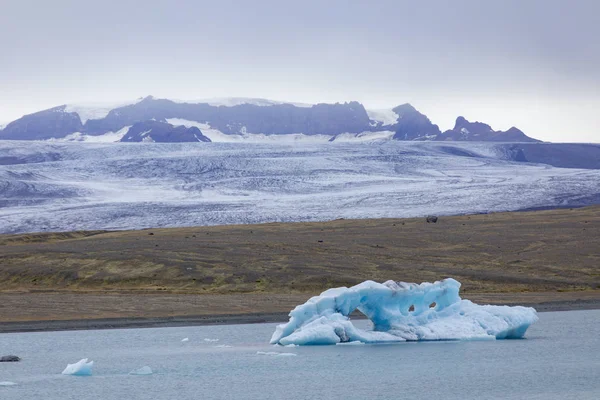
[162, 132]
[50, 186]
[471, 131]
[239, 119]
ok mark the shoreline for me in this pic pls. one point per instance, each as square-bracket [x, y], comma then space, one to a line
[257, 273]
[225, 319]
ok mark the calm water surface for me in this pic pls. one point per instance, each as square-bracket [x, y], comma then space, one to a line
[560, 359]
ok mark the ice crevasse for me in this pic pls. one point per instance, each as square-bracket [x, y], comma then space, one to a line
[400, 311]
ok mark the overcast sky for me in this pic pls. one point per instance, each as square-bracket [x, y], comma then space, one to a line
[534, 64]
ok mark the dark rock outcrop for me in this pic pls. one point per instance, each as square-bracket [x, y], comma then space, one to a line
[412, 125]
[161, 132]
[269, 119]
[277, 119]
[47, 124]
[465, 130]
[10, 359]
[431, 219]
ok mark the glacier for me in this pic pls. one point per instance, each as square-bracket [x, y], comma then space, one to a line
[80, 368]
[58, 186]
[400, 311]
[95, 110]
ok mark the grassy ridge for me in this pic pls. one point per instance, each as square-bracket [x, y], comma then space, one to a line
[541, 251]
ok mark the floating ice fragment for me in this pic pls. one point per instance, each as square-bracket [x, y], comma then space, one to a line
[223, 346]
[145, 370]
[400, 311]
[185, 339]
[275, 353]
[354, 343]
[211, 340]
[80, 368]
[7, 384]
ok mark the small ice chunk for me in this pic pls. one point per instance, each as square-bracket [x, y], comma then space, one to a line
[291, 345]
[80, 368]
[354, 343]
[223, 346]
[145, 370]
[185, 339]
[275, 353]
[211, 340]
[267, 353]
[7, 384]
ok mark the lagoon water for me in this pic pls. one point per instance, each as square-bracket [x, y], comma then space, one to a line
[560, 359]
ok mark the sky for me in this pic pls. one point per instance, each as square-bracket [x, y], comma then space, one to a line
[534, 64]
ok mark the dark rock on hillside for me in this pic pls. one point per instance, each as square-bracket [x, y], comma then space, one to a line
[147, 109]
[412, 125]
[431, 219]
[273, 119]
[161, 132]
[47, 124]
[514, 135]
[329, 119]
[277, 119]
[465, 130]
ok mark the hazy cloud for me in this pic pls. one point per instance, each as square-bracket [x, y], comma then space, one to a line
[530, 63]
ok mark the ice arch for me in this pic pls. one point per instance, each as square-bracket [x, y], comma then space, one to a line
[324, 319]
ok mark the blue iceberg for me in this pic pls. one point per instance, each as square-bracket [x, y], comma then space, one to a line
[80, 368]
[399, 312]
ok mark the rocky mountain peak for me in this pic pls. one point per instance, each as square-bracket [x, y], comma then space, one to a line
[405, 108]
[464, 130]
[413, 125]
[255, 116]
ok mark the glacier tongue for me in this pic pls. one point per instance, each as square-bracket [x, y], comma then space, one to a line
[400, 311]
